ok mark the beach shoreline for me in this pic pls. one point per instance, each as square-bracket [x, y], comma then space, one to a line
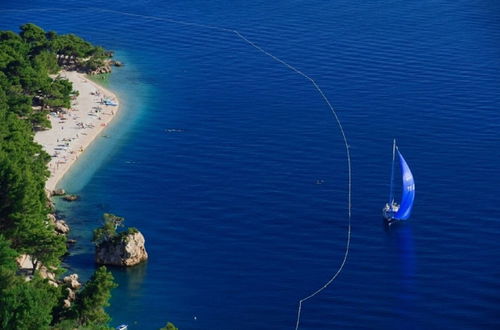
[75, 129]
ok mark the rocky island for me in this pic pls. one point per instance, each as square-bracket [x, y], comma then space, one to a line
[118, 248]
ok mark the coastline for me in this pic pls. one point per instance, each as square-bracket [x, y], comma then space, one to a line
[74, 131]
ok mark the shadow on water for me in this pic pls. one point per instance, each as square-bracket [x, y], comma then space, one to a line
[131, 278]
[131, 288]
[400, 241]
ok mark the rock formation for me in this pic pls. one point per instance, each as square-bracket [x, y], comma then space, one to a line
[106, 68]
[70, 197]
[72, 285]
[125, 250]
[61, 227]
[72, 281]
[25, 267]
[52, 218]
[116, 63]
[58, 192]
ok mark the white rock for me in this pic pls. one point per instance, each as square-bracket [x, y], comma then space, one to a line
[127, 252]
[72, 281]
[61, 227]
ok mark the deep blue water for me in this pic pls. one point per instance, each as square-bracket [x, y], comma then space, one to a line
[237, 228]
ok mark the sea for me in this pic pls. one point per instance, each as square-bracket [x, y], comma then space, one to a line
[234, 168]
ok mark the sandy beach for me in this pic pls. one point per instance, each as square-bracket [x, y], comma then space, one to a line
[73, 132]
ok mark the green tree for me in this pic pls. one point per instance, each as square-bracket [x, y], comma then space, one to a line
[19, 103]
[35, 38]
[23, 203]
[57, 93]
[90, 302]
[39, 120]
[27, 305]
[47, 248]
[8, 265]
[32, 33]
[169, 326]
[72, 45]
[46, 61]
[26, 60]
[108, 230]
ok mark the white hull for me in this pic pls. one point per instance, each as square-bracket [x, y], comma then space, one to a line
[389, 211]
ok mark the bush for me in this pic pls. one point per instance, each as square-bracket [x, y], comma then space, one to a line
[108, 231]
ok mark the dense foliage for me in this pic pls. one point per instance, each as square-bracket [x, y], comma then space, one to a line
[27, 93]
[108, 231]
[88, 309]
[26, 61]
[30, 304]
[169, 326]
[29, 89]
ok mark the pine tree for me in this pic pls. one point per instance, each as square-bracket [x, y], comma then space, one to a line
[27, 305]
[90, 302]
[169, 326]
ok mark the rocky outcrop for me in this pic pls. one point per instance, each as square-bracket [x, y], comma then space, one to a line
[72, 281]
[52, 218]
[106, 68]
[125, 250]
[72, 285]
[45, 273]
[25, 267]
[51, 206]
[61, 227]
[70, 197]
[48, 274]
[24, 263]
[58, 192]
[116, 63]
[50, 203]
[67, 301]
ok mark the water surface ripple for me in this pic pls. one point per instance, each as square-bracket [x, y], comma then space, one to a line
[237, 226]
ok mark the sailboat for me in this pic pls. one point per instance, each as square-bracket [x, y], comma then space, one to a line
[398, 212]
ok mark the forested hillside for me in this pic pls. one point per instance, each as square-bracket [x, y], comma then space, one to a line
[29, 90]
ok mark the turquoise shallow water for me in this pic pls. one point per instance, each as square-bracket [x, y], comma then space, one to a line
[237, 228]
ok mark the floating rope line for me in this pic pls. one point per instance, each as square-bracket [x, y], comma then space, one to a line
[348, 153]
[291, 67]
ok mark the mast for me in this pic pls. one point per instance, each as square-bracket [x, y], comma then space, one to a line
[391, 193]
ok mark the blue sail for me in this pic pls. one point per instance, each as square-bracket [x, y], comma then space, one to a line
[408, 195]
